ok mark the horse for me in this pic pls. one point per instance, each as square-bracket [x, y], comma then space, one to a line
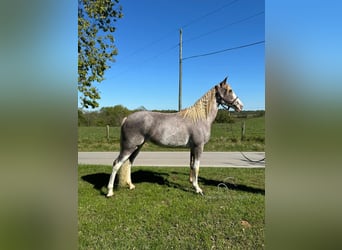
[189, 127]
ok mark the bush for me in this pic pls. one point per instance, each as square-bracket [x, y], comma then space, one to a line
[111, 116]
[223, 116]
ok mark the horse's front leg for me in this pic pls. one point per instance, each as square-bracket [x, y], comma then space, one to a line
[192, 159]
[194, 170]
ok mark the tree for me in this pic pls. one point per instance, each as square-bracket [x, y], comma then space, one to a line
[96, 47]
[81, 118]
[113, 115]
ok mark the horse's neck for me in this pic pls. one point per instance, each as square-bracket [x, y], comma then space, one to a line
[210, 107]
[204, 110]
[212, 112]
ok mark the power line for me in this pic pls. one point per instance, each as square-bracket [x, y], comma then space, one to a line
[220, 51]
[144, 47]
[225, 26]
[146, 61]
[152, 43]
[194, 38]
[209, 13]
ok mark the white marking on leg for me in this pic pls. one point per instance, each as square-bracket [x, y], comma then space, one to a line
[129, 180]
[195, 172]
[116, 166]
[191, 174]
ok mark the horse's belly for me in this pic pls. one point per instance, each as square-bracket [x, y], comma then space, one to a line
[171, 137]
[174, 141]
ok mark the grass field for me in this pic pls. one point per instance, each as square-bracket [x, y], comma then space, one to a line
[163, 212]
[224, 137]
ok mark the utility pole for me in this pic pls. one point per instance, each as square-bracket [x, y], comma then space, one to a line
[180, 71]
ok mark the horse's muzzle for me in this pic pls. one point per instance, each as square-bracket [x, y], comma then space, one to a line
[238, 105]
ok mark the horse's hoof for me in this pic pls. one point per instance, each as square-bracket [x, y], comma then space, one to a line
[131, 187]
[200, 192]
[110, 194]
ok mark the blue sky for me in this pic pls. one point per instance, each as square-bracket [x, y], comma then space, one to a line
[146, 69]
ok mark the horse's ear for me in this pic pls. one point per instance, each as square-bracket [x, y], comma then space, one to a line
[224, 81]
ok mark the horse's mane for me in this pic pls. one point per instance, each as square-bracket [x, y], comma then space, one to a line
[201, 108]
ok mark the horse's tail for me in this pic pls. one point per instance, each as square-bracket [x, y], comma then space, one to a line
[123, 121]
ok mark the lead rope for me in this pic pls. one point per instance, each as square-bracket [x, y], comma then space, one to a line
[254, 161]
[231, 129]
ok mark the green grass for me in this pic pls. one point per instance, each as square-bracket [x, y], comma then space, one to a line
[163, 212]
[224, 137]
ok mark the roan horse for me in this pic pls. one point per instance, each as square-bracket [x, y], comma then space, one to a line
[189, 127]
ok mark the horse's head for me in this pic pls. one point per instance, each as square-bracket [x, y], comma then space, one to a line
[226, 96]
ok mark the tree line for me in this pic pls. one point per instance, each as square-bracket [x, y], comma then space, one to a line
[113, 116]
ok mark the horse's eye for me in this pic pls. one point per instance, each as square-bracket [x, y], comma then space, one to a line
[230, 91]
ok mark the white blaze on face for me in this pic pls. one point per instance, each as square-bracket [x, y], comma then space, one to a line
[237, 103]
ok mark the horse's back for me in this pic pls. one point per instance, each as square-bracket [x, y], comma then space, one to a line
[161, 128]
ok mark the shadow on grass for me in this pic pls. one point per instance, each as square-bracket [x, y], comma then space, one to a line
[100, 181]
[231, 186]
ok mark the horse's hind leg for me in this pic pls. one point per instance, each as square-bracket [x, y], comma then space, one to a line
[116, 166]
[125, 175]
[130, 162]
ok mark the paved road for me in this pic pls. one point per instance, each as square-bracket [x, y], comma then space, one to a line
[179, 159]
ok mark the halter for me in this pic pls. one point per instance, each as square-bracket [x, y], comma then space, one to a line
[226, 105]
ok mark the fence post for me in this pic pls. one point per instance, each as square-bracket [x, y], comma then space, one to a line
[243, 130]
[107, 132]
